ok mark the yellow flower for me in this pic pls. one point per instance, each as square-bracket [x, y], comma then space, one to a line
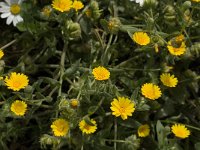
[62, 5]
[143, 130]
[151, 91]
[77, 5]
[176, 46]
[18, 107]
[195, 0]
[141, 38]
[169, 80]
[1, 53]
[88, 128]
[74, 103]
[16, 81]
[101, 73]
[60, 127]
[123, 107]
[180, 131]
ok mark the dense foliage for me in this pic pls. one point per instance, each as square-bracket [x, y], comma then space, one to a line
[100, 74]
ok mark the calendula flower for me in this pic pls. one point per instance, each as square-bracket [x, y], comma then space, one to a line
[74, 103]
[1, 53]
[18, 107]
[151, 91]
[123, 107]
[143, 130]
[141, 2]
[141, 38]
[169, 80]
[180, 131]
[11, 10]
[16, 81]
[88, 128]
[62, 5]
[77, 5]
[101, 73]
[195, 0]
[176, 46]
[60, 127]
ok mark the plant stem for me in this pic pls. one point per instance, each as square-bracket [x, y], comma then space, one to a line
[8, 44]
[62, 68]
[115, 135]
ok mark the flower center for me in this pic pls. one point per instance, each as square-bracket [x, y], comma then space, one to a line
[87, 127]
[16, 84]
[15, 9]
[122, 110]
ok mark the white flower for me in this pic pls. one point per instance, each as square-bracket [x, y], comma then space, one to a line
[11, 9]
[141, 2]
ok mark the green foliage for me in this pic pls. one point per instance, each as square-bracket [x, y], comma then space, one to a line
[58, 52]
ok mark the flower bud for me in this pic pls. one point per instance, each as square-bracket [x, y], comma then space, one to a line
[48, 140]
[186, 5]
[73, 30]
[114, 25]
[94, 12]
[150, 3]
[74, 103]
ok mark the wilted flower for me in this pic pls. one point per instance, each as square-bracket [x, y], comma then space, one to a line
[88, 128]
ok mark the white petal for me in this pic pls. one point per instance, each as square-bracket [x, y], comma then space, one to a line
[2, 4]
[15, 21]
[5, 15]
[9, 19]
[19, 18]
[8, 2]
[4, 9]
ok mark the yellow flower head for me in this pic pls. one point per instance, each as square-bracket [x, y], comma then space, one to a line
[123, 107]
[141, 38]
[1, 53]
[151, 91]
[180, 131]
[77, 5]
[176, 46]
[16, 81]
[74, 103]
[101, 73]
[62, 5]
[169, 80]
[143, 130]
[195, 0]
[18, 107]
[88, 128]
[60, 127]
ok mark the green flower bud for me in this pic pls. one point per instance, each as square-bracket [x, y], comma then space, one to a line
[73, 30]
[94, 12]
[170, 15]
[28, 89]
[48, 140]
[114, 25]
[186, 5]
[150, 3]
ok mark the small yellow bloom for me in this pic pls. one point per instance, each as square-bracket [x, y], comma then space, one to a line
[62, 5]
[195, 0]
[15, 9]
[1, 53]
[101, 73]
[180, 131]
[123, 107]
[143, 130]
[16, 81]
[141, 38]
[77, 5]
[169, 80]
[74, 103]
[88, 128]
[18, 107]
[176, 46]
[60, 127]
[151, 91]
